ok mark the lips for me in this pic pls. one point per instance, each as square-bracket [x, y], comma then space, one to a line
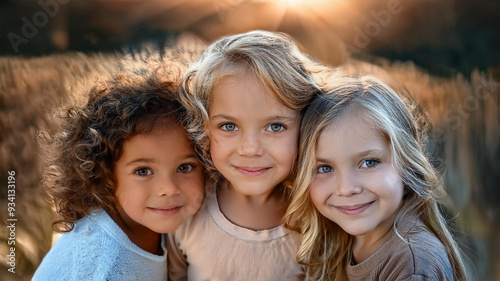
[353, 209]
[252, 171]
[170, 210]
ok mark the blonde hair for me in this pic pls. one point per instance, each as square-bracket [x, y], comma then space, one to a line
[273, 57]
[325, 246]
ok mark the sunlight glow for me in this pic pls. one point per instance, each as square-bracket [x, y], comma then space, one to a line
[298, 4]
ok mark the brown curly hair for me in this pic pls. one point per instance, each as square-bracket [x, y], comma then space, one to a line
[80, 157]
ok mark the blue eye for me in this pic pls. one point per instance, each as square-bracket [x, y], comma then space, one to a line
[324, 169]
[369, 163]
[185, 168]
[229, 127]
[276, 127]
[143, 172]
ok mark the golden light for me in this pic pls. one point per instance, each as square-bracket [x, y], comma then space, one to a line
[300, 4]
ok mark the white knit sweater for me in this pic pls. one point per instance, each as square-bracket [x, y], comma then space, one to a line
[98, 249]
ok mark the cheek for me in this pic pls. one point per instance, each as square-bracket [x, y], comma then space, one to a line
[393, 188]
[394, 182]
[217, 146]
[127, 200]
[120, 195]
[195, 191]
[294, 140]
[217, 155]
[318, 193]
[287, 148]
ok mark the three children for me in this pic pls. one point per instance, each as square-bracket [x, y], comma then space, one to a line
[362, 194]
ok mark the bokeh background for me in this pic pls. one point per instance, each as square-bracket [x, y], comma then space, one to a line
[444, 52]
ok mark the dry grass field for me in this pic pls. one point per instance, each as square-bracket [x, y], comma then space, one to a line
[465, 140]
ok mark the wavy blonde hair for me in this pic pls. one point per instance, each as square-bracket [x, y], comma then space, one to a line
[273, 57]
[325, 246]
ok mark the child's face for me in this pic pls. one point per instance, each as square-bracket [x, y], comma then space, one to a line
[159, 181]
[355, 184]
[253, 136]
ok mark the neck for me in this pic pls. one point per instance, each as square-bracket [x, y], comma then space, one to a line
[140, 235]
[365, 245]
[252, 212]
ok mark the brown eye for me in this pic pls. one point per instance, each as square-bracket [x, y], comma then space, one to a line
[143, 172]
[185, 168]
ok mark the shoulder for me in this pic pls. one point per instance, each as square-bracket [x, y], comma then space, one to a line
[74, 252]
[422, 255]
[97, 249]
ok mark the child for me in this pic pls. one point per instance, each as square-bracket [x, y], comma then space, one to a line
[362, 167]
[245, 97]
[123, 172]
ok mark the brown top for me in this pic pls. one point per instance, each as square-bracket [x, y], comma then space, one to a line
[420, 256]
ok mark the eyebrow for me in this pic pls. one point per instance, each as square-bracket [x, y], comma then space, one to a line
[222, 116]
[151, 160]
[282, 118]
[140, 160]
[276, 117]
[359, 155]
[370, 152]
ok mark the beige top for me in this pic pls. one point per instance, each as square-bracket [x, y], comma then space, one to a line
[209, 247]
[420, 257]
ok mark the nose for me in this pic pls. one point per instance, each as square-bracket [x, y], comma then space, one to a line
[168, 187]
[348, 184]
[250, 145]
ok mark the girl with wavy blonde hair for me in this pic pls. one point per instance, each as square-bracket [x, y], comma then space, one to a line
[244, 97]
[366, 196]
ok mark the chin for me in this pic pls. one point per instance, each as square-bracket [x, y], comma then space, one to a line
[168, 229]
[357, 231]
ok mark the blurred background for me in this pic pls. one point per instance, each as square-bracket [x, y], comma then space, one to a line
[444, 52]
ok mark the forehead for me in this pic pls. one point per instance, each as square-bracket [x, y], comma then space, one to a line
[152, 124]
[351, 133]
[244, 93]
[160, 142]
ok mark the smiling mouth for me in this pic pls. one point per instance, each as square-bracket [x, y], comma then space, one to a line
[251, 171]
[166, 210]
[354, 209]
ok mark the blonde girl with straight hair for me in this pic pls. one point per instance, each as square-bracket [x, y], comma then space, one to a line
[366, 197]
[245, 98]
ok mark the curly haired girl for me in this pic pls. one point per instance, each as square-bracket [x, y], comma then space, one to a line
[121, 172]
